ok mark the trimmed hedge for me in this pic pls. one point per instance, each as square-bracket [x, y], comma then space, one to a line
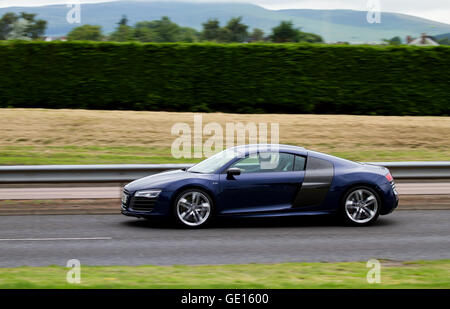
[244, 78]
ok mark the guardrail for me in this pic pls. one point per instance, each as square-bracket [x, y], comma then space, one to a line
[81, 173]
[418, 170]
[127, 172]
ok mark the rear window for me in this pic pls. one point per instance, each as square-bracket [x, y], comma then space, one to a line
[299, 163]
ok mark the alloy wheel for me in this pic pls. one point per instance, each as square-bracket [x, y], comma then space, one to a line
[361, 206]
[193, 208]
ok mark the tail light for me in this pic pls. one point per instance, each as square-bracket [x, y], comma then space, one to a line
[389, 177]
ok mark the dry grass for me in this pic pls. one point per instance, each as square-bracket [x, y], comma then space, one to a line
[356, 137]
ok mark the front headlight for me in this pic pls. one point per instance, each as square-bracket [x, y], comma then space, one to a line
[147, 193]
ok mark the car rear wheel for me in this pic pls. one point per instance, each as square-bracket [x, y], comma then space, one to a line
[193, 208]
[361, 206]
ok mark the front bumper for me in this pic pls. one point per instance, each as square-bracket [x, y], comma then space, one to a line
[139, 214]
[140, 207]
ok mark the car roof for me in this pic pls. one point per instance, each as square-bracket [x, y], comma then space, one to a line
[251, 148]
[269, 147]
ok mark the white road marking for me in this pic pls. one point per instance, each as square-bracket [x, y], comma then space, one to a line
[52, 239]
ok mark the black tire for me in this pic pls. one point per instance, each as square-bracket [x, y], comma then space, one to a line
[190, 220]
[358, 216]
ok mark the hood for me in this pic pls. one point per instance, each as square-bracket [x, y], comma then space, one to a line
[157, 181]
[160, 180]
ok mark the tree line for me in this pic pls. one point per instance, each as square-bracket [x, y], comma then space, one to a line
[26, 26]
[165, 30]
[23, 26]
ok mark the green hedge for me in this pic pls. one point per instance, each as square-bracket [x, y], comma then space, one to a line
[244, 78]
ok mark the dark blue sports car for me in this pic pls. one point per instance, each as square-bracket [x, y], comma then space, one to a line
[264, 181]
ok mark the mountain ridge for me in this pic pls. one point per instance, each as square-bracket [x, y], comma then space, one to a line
[332, 25]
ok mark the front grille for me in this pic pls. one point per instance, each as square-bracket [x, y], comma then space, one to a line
[142, 203]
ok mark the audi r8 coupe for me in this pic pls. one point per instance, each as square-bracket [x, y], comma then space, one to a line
[264, 181]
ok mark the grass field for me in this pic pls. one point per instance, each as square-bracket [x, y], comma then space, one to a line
[418, 274]
[40, 136]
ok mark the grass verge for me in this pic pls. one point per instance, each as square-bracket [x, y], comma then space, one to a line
[29, 155]
[417, 274]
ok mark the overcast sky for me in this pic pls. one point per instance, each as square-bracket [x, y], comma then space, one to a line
[438, 10]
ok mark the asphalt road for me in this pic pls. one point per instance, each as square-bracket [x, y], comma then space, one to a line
[119, 240]
[94, 192]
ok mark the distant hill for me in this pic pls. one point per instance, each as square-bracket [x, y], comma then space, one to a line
[442, 36]
[332, 25]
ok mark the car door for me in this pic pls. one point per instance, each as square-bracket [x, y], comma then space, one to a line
[268, 182]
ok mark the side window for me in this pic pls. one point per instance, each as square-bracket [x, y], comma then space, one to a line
[248, 165]
[299, 164]
[266, 162]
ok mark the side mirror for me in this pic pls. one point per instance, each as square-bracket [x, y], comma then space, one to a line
[234, 171]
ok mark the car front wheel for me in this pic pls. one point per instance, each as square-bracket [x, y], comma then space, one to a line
[361, 206]
[193, 208]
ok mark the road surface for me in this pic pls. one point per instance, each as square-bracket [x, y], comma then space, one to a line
[119, 240]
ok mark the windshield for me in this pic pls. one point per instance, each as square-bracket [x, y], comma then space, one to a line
[215, 162]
